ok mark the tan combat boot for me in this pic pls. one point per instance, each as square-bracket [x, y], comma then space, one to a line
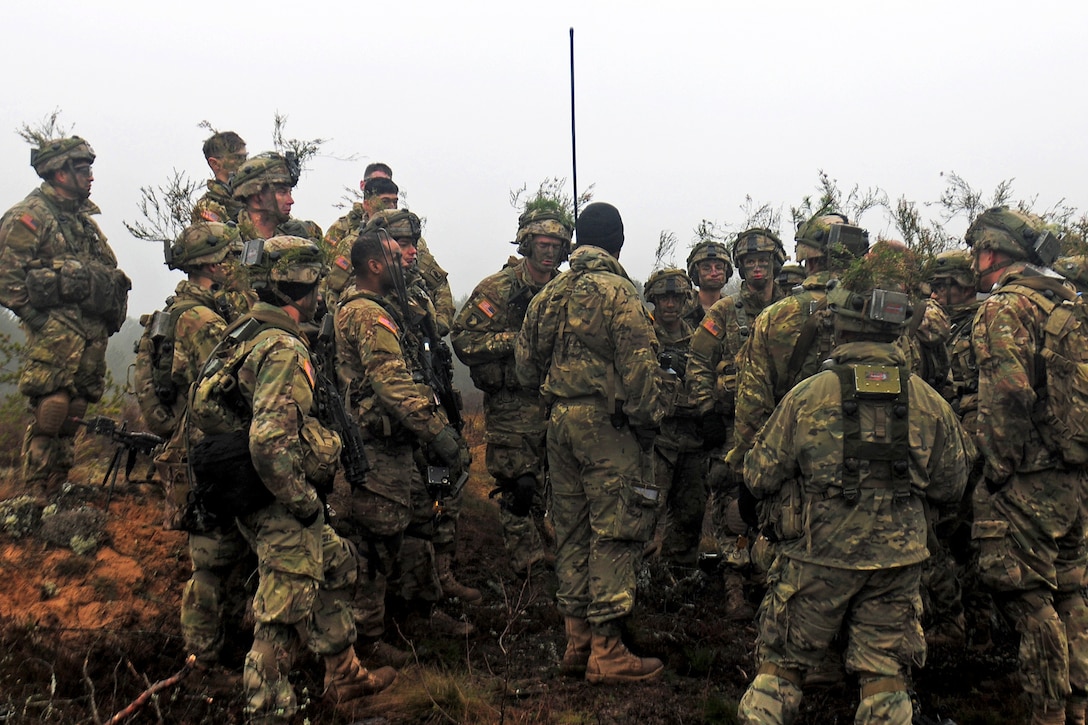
[1075, 708]
[611, 662]
[579, 646]
[374, 652]
[346, 679]
[450, 586]
[737, 608]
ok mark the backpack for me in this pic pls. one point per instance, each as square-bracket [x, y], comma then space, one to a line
[1061, 409]
[156, 390]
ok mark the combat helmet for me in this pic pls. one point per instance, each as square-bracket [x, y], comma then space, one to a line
[954, 265]
[668, 281]
[704, 251]
[790, 276]
[202, 243]
[52, 155]
[548, 222]
[830, 235]
[871, 297]
[1074, 269]
[1019, 235]
[263, 169]
[400, 223]
[758, 239]
[283, 263]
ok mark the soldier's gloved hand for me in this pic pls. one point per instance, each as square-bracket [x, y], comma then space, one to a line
[645, 437]
[447, 446]
[33, 318]
[747, 504]
[521, 498]
[715, 430]
[307, 515]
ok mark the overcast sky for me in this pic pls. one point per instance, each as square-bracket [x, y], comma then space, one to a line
[682, 112]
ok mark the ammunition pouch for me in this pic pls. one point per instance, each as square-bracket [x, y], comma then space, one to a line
[320, 453]
[488, 377]
[99, 291]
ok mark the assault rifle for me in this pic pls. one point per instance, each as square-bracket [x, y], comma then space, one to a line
[133, 442]
[332, 412]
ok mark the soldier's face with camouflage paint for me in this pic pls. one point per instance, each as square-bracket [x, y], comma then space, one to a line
[949, 293]
[984, 265]
[74, 180]
[711, 274]
[667, 309]
[757, 269]
[408, 251]
[546, 251]
[379, 202]
[276, 201]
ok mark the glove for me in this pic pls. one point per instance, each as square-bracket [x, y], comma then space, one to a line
[447, 446]
[715, 430]
[307, 519]
[747, 504]
[519, 498]
[645, 437]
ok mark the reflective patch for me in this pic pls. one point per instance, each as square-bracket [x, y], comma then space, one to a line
[209, 216]
[308, 369]
[877, 379]
[712, 327]
[387, 324]
[343, 263]
[29, 222]
[486, 307]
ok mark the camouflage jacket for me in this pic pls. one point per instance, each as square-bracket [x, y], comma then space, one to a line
[962, 388]
[217, 204]
[928, 342]
[198, 330]
[1007, 337]
[292, 227]
[41, 233]
[277, 380]
[484, 331]
[804, 437]
[714, 348]
[437, 284]
[763, 363]
[680, 428]
[587, 335]
[384, 385]
[343, 229]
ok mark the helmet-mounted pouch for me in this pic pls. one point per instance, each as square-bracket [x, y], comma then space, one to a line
[294, 169]
[854, 239]
[1048, 247]
[889, 307]
[252, 252]
[168, 252]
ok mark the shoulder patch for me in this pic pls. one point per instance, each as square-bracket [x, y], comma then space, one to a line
[29, 222]
[711, 326]
[342, 262]
[388, 324]
[209, 216]
[486, 307]
[308, 369]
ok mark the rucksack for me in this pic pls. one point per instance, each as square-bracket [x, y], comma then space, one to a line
[156, 390]
[1061, 409]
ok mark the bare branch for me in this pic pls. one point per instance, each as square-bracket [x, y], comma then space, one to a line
[46, 129]
[303, 149]
[665, 255]
[166, 209]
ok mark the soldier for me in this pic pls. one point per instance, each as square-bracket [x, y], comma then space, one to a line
[224, 151]
[680, 461]
[872, 444]
[1074, 269]
[789, 277]
[709, 270]
[263, 185]
[379, 194]
[588, 342]
[60, 278]
[1031, 513]
[392, 515]
[306, 571]
[758, 253]
[483, 337]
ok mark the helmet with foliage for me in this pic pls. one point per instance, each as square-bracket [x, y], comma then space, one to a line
[872, 296]
[705, 251]
[546, 218]
[790, 275]
[283, 260]
[953, 265]
[830, 235]
[1074, 269]
[262, 170]
[1019, 235]
[52, 155]
[202, 243]
[669, 281]
[755, 240]
[400, 223]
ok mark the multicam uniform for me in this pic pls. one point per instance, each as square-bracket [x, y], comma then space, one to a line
[392, 515]
[1031, 516]
[851, 556]
[217, 204]
[60, 277]
[301, 228]
[594, 351]
[483, 338]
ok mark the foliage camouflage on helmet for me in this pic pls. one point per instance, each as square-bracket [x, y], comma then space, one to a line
[668, 281]
[954, 265]
[400, 223]
[282, 259]
[1020, 235]
[54, 154]
[1074, 269]
[202, 243]
[261, 170]
[546, 217]
[758, 239]
[871, 295]
[816, 238]
[708, 250]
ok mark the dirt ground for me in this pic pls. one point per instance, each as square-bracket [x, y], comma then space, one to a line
[83, 635]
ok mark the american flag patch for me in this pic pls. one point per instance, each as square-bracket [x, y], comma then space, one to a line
[209, 216]
[342, 262]
[308, 369]
[486, 307]
[712, 327]
[29, 222]
[387, 324]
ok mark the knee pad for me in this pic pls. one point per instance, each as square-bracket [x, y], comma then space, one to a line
[77, 408]
[51, 413]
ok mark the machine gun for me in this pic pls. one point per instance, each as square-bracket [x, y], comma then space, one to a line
[133, 442]
[332, 412]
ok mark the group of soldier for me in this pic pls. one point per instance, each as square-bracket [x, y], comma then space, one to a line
[843, 423]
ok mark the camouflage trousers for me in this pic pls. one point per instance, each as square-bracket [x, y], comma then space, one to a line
[396, 558]
[216, 591]
[306, 576]
[806, 606]
[604, 509]
[681, 477]
[1032, 556]
[511, 455]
